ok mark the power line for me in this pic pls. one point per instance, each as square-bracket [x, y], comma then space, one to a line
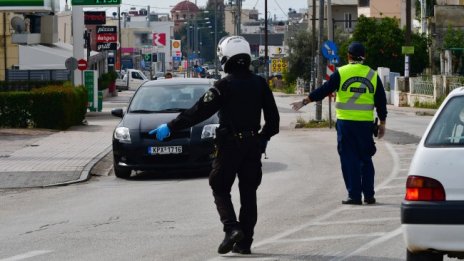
[285, 14]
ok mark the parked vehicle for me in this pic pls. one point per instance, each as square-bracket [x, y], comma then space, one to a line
[432, 213]
[158, 102]
[131, 80]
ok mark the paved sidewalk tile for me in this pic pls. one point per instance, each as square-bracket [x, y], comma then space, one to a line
[60, 157]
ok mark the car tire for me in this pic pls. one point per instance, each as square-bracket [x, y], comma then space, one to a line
[423, 256]
[122, 173]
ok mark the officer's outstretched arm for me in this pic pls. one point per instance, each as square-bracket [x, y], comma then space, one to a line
[204, 108]
[299, 104]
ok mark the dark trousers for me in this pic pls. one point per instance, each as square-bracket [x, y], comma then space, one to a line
[242, 158]
[356, 147]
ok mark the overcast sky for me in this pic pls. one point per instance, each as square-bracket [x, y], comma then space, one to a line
[279, 8]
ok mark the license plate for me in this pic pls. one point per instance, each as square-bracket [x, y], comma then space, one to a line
[165, 150]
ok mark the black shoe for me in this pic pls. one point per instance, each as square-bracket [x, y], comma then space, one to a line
[369, 201]
[350, 201]
[239, 250]
[230, 239]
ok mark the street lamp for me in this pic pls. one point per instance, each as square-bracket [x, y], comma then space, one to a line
[190, 43]
[215, 38]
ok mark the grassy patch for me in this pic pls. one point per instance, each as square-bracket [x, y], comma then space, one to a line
[301, 123]
[429, 105]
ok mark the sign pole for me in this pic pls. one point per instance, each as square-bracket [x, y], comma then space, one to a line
[78, 39]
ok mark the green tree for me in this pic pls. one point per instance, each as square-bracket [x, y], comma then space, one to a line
[383, 40]
[299, 60]
[454, 38]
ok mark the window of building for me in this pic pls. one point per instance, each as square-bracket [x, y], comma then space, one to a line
[363, 3]
[348, 21]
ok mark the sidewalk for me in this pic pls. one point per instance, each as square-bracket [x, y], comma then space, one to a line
[41, 158]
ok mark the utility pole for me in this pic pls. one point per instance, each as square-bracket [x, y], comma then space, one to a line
[266, 64]
[320, 72]
[120, 40]
[239, 17]
[151, 49]
[78, 40]
[407, 38]
[188, 48]
[215, 38]
[331, 38]
[329, 21]
[423, 19]
[314, 47]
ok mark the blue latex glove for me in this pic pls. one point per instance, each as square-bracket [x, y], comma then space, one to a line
[161, 132]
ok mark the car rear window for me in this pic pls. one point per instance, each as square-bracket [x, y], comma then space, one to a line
[162, 98]
[448, 128]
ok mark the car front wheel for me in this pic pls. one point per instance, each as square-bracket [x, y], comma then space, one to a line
[423, 256]
[122, 173]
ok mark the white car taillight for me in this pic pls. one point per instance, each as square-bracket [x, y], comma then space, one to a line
[420, 188]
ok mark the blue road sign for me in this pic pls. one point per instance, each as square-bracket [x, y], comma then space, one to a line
[335, 60]
[329, 49]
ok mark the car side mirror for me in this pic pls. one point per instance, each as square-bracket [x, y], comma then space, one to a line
[117, 112]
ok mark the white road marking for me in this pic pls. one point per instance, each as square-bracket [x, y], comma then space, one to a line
[393, 187]
[332, 237]
[358, 221]
[382, 237]
[396, 166]
[374, 242]
[27, 255]
[401, 196]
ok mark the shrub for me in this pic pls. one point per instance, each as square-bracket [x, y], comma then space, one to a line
[302, 123]
[52, 107]
[26, 85]
[106, 79]
[15, 109]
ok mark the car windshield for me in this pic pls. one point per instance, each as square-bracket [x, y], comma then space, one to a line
[448, 129]
[168, 98]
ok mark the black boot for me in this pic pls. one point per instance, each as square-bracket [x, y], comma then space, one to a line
[238, 249]
[230, 239]
[350, 201]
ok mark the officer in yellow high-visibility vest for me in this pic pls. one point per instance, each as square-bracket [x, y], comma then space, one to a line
[359, 90]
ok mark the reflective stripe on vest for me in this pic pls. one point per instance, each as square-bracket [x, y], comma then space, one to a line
[349, 109]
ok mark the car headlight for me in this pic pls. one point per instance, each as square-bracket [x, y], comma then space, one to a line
[122, 134]
[209, 131]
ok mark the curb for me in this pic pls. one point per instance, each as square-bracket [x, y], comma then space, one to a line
[85, 173]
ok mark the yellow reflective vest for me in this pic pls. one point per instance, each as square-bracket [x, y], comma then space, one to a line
[355, 95]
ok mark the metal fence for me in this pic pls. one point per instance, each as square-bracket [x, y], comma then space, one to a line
[37, 75]
[455, 85]
[424, 87]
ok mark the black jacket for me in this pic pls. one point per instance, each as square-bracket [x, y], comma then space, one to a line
[239, 99]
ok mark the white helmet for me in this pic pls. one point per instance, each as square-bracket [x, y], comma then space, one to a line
[230, 46]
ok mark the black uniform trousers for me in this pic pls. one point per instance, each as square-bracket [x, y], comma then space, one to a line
[242, 158]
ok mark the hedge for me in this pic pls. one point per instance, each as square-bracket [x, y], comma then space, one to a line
[51, 107]
[26, 85]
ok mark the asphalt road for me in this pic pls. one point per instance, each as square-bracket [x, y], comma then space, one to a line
[163, 217]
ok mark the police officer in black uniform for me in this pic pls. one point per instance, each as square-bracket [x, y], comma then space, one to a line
[239, 97]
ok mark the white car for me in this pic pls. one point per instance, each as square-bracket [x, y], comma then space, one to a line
[432, 213]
